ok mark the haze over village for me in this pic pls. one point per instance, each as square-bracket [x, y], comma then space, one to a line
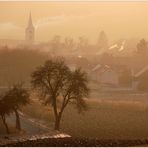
[119, 60]
[93, 54]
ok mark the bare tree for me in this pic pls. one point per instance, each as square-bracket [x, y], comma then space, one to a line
[56, 44]
[16, 97]
[56, 83]
[142, 46]
[69, 43]
[83, 43]
[4, 110]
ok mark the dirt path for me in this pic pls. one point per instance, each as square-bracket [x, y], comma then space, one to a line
[34, 130]
[29, 125]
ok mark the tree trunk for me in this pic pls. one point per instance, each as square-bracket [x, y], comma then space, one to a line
[57, 123]
[57, 117]
[18, 124]
[5, 124]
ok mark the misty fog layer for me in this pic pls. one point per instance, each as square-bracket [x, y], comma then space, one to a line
[118, 19]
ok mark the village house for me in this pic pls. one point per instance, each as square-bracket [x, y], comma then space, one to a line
[104, 75]
[140, 79]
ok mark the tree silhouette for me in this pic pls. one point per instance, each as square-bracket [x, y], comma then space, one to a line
[56, 83]
[4, 110]
[69, 43]
[142, 46]
[16, 97]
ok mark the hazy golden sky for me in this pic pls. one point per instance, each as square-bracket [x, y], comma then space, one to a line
[117, 19]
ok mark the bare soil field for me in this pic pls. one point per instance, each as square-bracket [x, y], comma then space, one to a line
[108, 117]
[123, 118]
[78, 142]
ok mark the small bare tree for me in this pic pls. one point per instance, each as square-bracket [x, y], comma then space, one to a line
[4, 110]
[55, 82]
[16, 97]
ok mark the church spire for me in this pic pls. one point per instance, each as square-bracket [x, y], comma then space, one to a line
[30, 31]
[30, 21]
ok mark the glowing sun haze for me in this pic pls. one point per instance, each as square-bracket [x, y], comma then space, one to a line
[117, 19]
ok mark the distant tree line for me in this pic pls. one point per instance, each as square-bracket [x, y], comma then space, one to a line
[17, 65]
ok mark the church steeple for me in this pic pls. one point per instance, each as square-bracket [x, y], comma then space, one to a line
[30, 21]
[30, 31]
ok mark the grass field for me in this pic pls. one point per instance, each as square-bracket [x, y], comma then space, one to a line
[106, 118]
[116, 116]
[109, 120]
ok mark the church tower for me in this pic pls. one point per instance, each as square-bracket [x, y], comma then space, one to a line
[30, 31]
